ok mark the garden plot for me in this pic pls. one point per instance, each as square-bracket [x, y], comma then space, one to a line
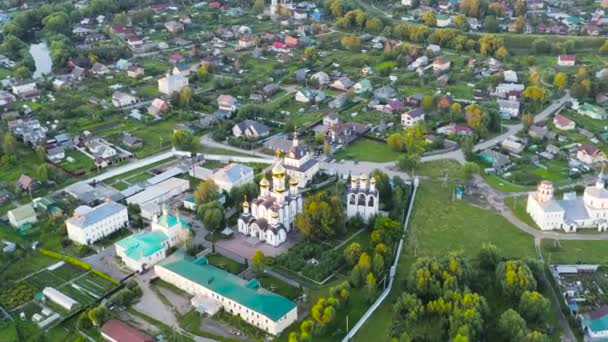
[86, 289]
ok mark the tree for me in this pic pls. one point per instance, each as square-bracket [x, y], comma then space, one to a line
[395, 142]
[604, 48]
[9, 144]
[490, 24]
[386, 230]
[488, 257]
[205, 192]
[535, 94]
[336, 8]
[258, 261]
[414, 140]
[41, 153]
[560, 81]
[322, 216]
[326, 148]
[83, 321]
[502, 53]
[520, 23]
[258, 6]
[489, 44]
[185, 96]
[427, 104]
[515, 277]
[527, 120]
[374, 25]
[293, 336]
[22, 72]
[474, 116]
[469, 169]
[429, 18]
[541, 46]
[352, 253]
[378, 264]
[536, 336]
[182, 139]
[512, 326]
[533, 306]
[467, 148]
[370, 285]
[98, 315]
[351, 42]
[408, 161]
[212, 215]
[42, 173]
[534, 78]
[470, 7]
[310, 53]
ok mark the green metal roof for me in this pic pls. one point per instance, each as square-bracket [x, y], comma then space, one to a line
[596, 325]
[228, 285]
[168, 220]
[143, 244]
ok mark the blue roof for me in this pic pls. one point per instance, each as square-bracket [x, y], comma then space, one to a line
[248, 294]
[233, 172]
[143, 244]
[97, 214]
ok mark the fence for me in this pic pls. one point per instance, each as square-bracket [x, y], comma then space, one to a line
[393, 271]
[229, 254]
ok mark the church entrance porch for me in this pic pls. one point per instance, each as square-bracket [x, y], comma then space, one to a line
[244, 245]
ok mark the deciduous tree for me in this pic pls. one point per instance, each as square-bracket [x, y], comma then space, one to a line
[258, 261]
[512, 326]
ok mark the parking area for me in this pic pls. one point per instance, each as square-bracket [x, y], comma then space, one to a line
[245, 246]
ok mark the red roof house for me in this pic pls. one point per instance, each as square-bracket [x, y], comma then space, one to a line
[119, 331]
[566, 60]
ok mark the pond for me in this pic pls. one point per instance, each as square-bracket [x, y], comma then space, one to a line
[42, 59]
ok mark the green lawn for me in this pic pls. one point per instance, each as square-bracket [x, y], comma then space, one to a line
[367, 150]
[438, 227]
[504, 185]
[225, 263]
[81, 162]
[571, 251]
[518, 206]
[440, 168]
[278, 286]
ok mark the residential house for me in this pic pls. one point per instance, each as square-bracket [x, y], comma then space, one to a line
[566, 60]
[270, 89]
[158, 107]
[232, 175]
[338, 102]
[455, 129]
[55, 154]
[344, 133]
[505, 90]
[135, 71]
[433, 48]
[25, 183]
[279, 47]
[25, 89]
[247, 41]
[182, 69]
[412, 117]
[132, 142]
[135, 42]
[123, 100]
[563, 123]
[385, 94]
[6, 98]
[590, 154]
[227, 103]
[342, 84]
[321, 78]
[99, 69]
[513, 145]
[499, 162]
[443, 20]
[508, 109]
[362, 87]
[510, 76]
[591, 111]
[250, 129]
[174, 26]
[176, 58]
[307, 95]
[118, 331]
[291, 42]
[171, 84]
[535, 4]
[441, 64]
[22, 215]
[595, 324]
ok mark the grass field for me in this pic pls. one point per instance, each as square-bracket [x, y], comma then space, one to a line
[438, 227]
[504, 185]
[81, 162]
[278, 286]
[367, 150]
[572, 252]
[518, 206]
[440, 168]
[225, 263]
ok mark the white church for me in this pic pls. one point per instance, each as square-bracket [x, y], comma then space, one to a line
[299, 163]
[270, 216]
[572, 212]
[362, 197]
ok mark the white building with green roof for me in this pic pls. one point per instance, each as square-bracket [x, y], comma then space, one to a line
[142, 250]
[22, 215]
[257, 306]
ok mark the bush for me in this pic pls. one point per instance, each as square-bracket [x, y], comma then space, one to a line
[78, 263]
[105, 276]
[51, 254]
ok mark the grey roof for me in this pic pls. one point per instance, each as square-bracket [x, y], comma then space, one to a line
[233, 172]
[97, 214]
[575, 209]
[260, 128]
[304, 167]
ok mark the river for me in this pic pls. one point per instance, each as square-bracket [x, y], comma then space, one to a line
[42, 59]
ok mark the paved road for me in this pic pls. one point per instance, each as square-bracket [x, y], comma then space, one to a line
[512, 129]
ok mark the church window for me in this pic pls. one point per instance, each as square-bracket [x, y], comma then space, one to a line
[361, 199]
[370, 202]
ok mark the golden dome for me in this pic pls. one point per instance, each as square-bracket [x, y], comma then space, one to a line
[363, 177]
[275, 214]
[278, 170]
[372, 180]
[264, 183]
[293, 181]
[245, 203]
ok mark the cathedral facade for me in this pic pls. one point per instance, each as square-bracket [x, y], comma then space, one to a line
[271, 215]
[362, 197]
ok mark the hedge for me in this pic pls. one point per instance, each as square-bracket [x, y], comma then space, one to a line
[53, 255]
[77, 262]
[106, 277]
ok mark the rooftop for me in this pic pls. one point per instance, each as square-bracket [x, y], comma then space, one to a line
[228, 285]
[88, 216]
[143, 244]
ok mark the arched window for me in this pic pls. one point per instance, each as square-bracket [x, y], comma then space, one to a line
[351, 199]
[370, 201]
[361, 199]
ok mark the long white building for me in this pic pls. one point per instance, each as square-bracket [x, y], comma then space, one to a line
[257, 306]
[91, 224]
[362, 197]
[571, 212]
